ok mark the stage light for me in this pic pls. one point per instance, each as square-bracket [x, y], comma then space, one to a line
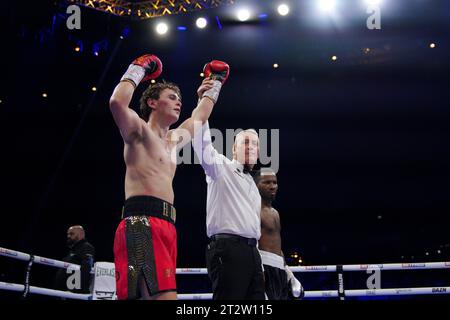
[432, 45]
[78, 46]
[44, 95]
[202, 74]
[334, 58]
[218, 23]
[327, 5]
[99, 47]
[125, 33]
[201, 23]
[162, 28]
[243, 15]
[94, 89]
[373, 2]
[181, 28]
[283, 9]
[275, 65]
[153, 81]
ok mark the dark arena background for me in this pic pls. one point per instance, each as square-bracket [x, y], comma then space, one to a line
[362, 110]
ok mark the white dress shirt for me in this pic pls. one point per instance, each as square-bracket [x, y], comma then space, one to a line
[233, 203]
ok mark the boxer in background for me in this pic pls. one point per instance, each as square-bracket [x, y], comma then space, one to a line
[280, 282]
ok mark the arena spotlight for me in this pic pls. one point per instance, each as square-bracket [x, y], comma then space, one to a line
[162, 28]
[283, 9]
[327, 5]
[373, 2]
[243, 15]
[201, 23]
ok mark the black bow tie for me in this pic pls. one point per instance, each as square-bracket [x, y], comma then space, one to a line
[246, 170]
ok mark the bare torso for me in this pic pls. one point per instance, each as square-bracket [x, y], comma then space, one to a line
[150, 170]
[270, 240]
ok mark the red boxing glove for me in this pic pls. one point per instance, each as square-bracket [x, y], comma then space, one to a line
[217, 70]
[144, 68]
[151, 64]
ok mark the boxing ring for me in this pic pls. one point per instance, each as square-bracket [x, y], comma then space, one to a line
[340, 294]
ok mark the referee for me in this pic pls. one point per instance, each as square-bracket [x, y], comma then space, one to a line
[233, 222]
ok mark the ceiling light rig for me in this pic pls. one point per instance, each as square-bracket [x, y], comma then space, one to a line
[149, 9]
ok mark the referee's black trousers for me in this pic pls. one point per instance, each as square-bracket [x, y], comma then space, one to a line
[235, 268]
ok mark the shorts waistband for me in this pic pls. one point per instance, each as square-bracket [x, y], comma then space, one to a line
[149, 206]
[250, 241]
[272, 259]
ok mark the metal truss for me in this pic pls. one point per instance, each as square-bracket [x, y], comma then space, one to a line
[149, 9]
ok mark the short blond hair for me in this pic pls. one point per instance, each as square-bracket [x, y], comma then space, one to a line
[245, 131]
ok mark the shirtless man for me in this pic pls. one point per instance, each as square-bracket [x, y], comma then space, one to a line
[280, 282]
[145, 242]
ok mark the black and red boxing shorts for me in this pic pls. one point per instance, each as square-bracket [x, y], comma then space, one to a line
[145, 247]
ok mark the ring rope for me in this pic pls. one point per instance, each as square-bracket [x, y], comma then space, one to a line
[45, 291]
[27, 289]
[37, 259]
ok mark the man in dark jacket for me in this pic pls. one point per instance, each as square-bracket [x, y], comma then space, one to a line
[82, 253]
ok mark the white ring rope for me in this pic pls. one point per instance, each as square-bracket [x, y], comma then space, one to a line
[364, 267]
[348, 293]
[208, 296]
[326, 268]
[350, 267]
[45, 291]
[37, 259]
